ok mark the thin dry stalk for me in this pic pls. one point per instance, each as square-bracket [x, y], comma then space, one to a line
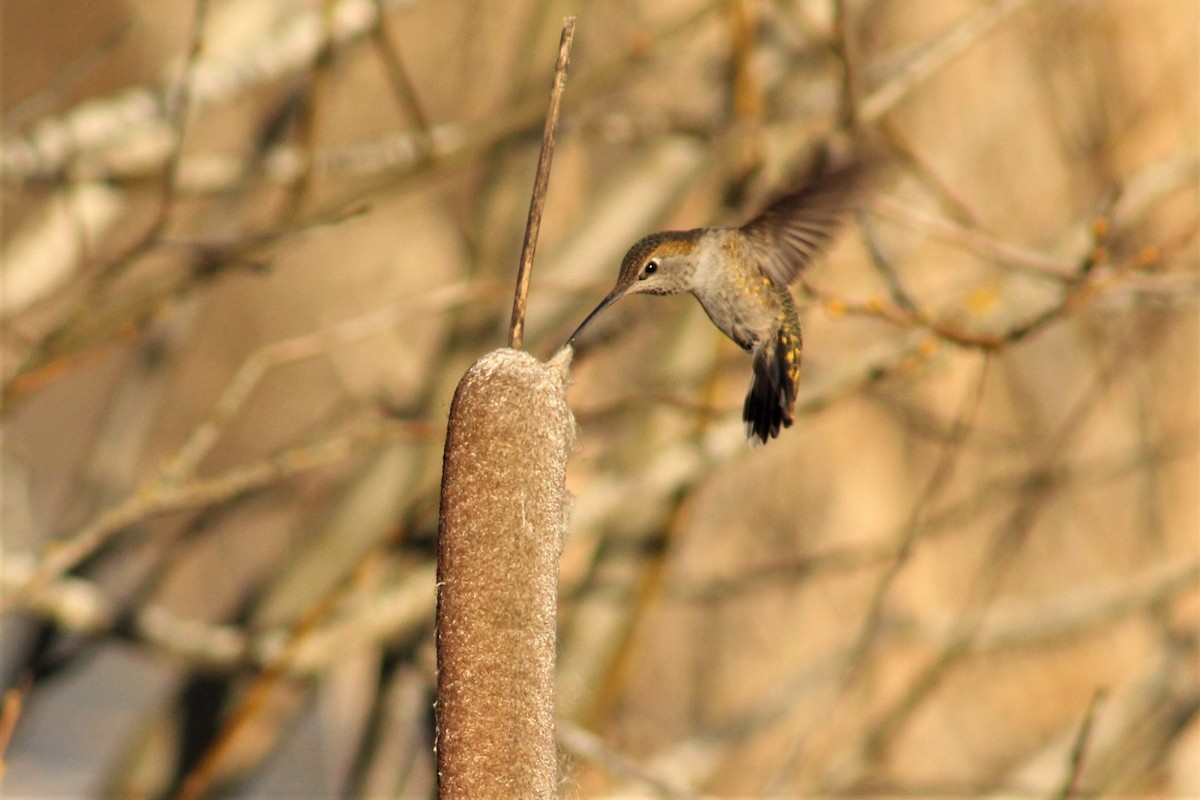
[516, 328]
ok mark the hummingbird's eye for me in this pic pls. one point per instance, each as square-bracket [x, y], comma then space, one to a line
[648, 270]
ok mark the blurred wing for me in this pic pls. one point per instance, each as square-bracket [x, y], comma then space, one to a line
[797, 227]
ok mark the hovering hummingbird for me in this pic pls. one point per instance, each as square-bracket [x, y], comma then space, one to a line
[741, 276]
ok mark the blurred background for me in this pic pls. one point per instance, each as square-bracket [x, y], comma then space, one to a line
[250, 246]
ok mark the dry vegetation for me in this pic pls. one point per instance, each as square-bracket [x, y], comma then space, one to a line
[250, 246]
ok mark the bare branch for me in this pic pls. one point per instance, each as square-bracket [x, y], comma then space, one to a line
[156, 497]
[103, 123]
[954, 43]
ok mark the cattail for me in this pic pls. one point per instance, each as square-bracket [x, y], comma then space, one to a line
[503, 518]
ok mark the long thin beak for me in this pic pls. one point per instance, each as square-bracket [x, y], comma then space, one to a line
[613, 296]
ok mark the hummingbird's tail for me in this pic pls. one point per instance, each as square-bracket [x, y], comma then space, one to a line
[772, 397]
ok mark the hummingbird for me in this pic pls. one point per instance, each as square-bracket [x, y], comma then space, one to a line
[741, 277]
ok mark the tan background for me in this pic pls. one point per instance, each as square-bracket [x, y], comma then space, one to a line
[971, 536]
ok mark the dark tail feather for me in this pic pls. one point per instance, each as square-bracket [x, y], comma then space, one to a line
[772, 396]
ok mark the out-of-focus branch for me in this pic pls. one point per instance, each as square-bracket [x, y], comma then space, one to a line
[253, 702]
[950, 520]
[746, 104]
[587, 746]
[845, 46]
[450, 144]
[10, 711]
[1089, 285]
[158, 496]
[402, 86]
[304, 117]
[1110, 602]
[1145, 188]
[1052, 619]
[1079, 749]
[185, 461]
[88, 328]
[915, 523]
[79, 606]
[976, 241]
[57, 145]
[954, 43]
[41, 259]
[1136, 724]
[28, 109]
[178, 107]
[1003, 546]
[97, 124]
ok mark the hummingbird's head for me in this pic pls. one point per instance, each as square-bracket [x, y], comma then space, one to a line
[661, 263]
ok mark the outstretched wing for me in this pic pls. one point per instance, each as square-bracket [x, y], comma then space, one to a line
[797, 227]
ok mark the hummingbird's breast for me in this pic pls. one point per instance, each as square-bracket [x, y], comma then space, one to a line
[737, 296]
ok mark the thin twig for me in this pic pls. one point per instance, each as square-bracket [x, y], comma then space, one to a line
[255, 699]
[398, 78]
[1084, 290]
[24, 111]
[746, 86]
[10, 712]
[585, 745]
[845, 47]
[183, 464]
[917, 520]
[516, 328]
[1019, 258]
[1079, 748]
[155, 497]
[954, 43]
[178, 105]
[1006, 543]
[80, 606]
[99, 124]
[299, 187]
[177, 114]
